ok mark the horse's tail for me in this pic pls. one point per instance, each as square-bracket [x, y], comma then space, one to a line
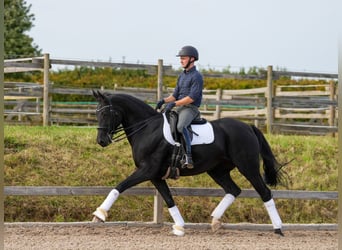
[272, 168]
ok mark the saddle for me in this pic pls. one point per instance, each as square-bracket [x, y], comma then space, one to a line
[178, 148]
[173, 119]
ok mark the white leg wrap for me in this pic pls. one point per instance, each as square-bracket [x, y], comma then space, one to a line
[273, 213]
[227, 200]
[111, 198]
[178, 228]
[176, 216]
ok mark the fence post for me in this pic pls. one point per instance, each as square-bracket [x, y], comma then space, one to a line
[256, 121]
[160, 79]
[218, 106]
[20, 105]
[158, 208]
[269, 97]
[158, 199]
[339, 134]
[332, 108]
[2, 134]
[46, 103]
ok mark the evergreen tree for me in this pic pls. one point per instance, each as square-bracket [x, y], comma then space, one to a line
[18, 20]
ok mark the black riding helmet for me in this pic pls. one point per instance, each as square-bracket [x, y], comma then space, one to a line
[189, 51]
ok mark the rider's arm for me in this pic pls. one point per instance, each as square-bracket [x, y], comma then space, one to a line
[184, 101]
[170, 98]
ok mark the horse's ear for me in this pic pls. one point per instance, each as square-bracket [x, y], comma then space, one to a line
[94, 93]
[97, 94]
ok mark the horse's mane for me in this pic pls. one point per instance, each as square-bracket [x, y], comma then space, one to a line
[134, 101]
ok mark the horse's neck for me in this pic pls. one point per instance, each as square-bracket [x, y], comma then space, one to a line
[131, 118]
[136, 121]
[133, 112]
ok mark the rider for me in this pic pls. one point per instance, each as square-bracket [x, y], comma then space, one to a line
[186, 97]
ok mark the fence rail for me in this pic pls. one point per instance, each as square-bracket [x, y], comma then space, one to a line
[158, 204]
[176, 191]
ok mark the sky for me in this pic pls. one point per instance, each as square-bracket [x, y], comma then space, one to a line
[296, 35]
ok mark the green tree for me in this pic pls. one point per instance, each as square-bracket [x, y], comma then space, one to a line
[18, 20]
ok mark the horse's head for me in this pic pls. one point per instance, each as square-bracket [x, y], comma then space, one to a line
[108, 119]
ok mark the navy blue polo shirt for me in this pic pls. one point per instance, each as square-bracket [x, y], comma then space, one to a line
[189, 83]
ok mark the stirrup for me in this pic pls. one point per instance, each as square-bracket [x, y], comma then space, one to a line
[187, 161]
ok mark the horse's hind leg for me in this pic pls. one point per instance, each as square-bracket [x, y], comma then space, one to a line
[222, 177]
[266, 196]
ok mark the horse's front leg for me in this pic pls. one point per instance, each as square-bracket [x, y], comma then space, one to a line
[101, 213]
[163, 188]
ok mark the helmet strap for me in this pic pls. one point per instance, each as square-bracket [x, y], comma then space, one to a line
[188, 64]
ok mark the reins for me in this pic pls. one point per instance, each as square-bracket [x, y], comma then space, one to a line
[123, 136]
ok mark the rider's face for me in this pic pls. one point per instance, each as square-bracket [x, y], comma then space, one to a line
[184, 60]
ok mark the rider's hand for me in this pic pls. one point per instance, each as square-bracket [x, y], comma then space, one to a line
[169, 106]
[160, 104]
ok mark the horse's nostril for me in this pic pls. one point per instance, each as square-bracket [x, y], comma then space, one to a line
[102, 142]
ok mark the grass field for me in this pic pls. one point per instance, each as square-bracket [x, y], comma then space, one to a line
[69, 156]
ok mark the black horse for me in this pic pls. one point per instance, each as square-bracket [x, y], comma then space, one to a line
[236, 144]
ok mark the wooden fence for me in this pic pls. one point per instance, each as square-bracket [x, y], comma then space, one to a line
[300, 109]
[288, 109]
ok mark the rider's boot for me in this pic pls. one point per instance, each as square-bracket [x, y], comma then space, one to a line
[188, 157]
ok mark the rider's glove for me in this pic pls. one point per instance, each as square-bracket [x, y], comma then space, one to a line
[160, 104]
[169, 106]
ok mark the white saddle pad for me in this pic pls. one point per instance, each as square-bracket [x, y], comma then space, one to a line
[205, 133]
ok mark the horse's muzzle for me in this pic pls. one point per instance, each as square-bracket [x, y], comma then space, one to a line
[104, 141]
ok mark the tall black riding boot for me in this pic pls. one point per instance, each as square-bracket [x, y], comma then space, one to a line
[188, 157]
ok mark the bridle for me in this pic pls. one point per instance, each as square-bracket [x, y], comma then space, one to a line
[112, 130]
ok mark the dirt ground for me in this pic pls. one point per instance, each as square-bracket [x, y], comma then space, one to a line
[102, 236]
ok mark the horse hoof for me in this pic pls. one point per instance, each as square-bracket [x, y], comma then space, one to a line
[96, 219]
[178, 230]
[100, 215]
[215, 225]
[278, 231]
